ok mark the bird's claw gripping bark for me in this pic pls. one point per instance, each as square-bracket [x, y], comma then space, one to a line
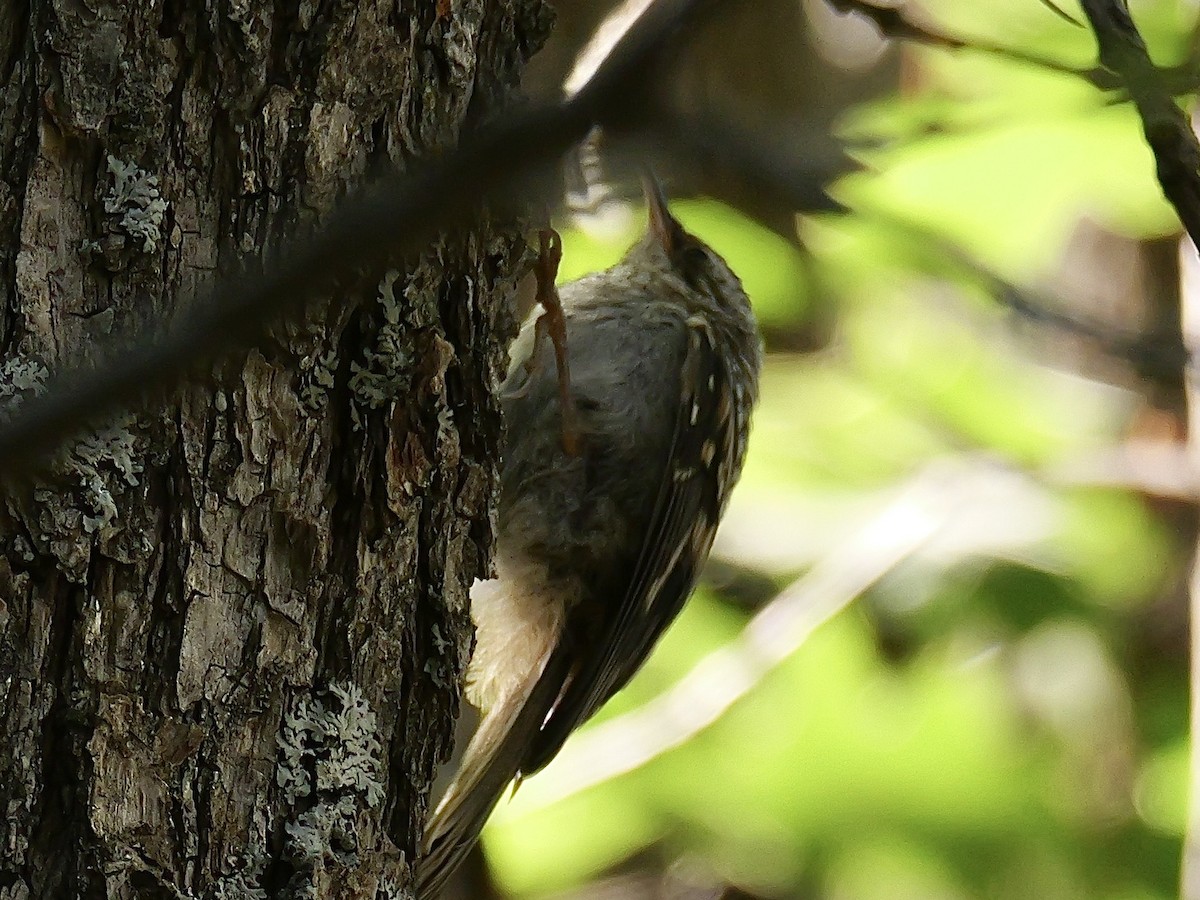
[552, 322]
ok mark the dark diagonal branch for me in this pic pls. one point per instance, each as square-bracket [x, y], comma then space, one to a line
[398, 215]
[401, 214]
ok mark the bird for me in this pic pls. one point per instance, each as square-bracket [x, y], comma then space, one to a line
[624, 436]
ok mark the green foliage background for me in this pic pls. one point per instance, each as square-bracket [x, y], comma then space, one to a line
[1000, 716]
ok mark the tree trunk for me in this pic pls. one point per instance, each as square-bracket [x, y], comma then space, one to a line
[232, 629]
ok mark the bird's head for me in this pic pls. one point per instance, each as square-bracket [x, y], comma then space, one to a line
[672, 250]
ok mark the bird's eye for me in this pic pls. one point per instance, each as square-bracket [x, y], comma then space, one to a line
[695, 257]
[694, 266]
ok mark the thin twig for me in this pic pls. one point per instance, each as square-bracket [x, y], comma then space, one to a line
[398, 215]
[1062, 13]
[402, 213]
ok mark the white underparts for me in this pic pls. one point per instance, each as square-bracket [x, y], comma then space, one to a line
[518, 618]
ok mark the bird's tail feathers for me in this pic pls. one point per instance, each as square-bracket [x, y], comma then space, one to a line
[493, 758]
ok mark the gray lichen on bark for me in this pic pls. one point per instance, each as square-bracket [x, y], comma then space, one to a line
[231, 626]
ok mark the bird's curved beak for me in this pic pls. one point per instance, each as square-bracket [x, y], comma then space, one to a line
[664, 226]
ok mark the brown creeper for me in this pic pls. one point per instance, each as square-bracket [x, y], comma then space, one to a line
[599, 548]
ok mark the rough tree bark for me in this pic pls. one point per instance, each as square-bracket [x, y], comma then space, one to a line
[231, 628]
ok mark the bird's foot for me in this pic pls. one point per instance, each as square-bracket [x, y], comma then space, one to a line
[553, 322]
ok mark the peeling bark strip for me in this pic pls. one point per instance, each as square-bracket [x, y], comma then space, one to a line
[230, 629]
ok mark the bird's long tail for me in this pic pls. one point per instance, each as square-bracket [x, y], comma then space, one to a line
[492, 759]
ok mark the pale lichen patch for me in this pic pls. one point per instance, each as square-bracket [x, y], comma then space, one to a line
[317, 371]
[99, 466]
[20, 376]
[244, 882]
[330, 771]
[386, 368]
[136, 198]
[108, 453]
[328, 745]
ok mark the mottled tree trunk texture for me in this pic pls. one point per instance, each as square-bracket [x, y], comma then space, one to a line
[232, 626]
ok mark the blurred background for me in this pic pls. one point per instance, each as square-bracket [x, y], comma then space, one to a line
[941, 648]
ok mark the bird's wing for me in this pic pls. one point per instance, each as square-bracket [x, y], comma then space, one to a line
[704, 454]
